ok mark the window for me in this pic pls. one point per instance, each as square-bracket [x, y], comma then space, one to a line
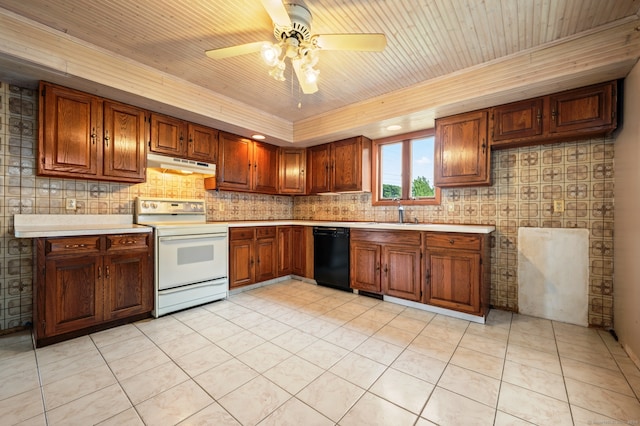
[404, 169]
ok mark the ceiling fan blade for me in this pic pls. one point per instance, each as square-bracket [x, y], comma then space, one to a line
[277, 12]
[241, 49]
[307, 87]
[362, 42]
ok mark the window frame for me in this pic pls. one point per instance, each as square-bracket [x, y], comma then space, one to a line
[406, 199]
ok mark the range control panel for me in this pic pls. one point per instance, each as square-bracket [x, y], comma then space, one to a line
[146, 205]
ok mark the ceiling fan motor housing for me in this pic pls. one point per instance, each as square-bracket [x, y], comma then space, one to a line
[300, 24]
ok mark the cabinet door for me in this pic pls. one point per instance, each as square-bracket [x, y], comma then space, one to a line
[346, 165]
[265, 168]
[128, 285]
[298, 251]
[241, 263]
[318, 169]
[203, 143]
[516, 121]
[266, 259]
[70, 130]
[285, 250]
[124, 153]
[168, 135]
[365, 266]
[462, 155]
[73, 294]
[291, 170]
[453, 280]
[586, 109]
[235, 162]
[401, 272]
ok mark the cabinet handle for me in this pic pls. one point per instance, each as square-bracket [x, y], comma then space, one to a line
[129, 242]
[106, 138]
[251, 262]
[106, 272]
[258, 262]
[484, 146]
[377, 267]
[99, 272]
[554, 113]
[427, 276]
[451, 241]
[93, 135]
[72, 246]
[249, 164]
[301, 171]
[385, 269]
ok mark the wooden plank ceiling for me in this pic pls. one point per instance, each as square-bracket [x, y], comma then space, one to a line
[427, 39]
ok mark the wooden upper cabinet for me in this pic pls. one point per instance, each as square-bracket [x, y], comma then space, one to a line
[571, 115]
[84, 136]
[168, 135]
[351, 165]
[202, 144]
[178, 138]
[264, 168]
[342, 166]
[70, 132]
[318, 177]
[587, 109]
[291, 171]
[235, 158]
[517, 120]
[461, 151]
[124, 155]
[246, 165]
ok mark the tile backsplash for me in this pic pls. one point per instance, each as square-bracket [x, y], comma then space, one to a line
[526, 181]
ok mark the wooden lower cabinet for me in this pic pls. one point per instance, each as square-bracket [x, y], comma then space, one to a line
[86, 283]
[285, 250]
[456, 271]
[253, 255]
[386, 262]
[401, 272]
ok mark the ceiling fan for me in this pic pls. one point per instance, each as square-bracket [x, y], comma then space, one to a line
[292, 30]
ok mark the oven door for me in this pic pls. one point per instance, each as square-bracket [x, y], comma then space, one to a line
[187, 259]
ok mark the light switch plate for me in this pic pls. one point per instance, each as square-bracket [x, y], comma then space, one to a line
[558, 206]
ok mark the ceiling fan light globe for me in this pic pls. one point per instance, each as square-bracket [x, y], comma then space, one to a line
[311, 75]
[270, 53]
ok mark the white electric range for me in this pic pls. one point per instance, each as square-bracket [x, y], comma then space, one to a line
[191, 255]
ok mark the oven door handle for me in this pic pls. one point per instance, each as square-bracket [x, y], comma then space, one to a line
[192, 286]
[191, 237]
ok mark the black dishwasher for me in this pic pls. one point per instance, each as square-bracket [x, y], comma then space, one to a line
[331, 257]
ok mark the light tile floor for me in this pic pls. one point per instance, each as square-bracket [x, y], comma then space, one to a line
[294, 353]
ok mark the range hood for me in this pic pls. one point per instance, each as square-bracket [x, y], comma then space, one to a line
[180, 165]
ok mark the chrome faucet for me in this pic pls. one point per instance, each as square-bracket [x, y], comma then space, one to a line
[400, 211]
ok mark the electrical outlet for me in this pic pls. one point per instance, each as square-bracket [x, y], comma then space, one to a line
[558, 206]
[70, 203]
[221, 207]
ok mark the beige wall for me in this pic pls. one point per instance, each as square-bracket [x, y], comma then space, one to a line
[627, 240]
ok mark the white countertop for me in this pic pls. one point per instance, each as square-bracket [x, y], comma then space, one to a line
[61, 225]
[434, 227]
[68, 225]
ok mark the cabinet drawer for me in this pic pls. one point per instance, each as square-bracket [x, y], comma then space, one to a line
[410, 238]
[241, 234]
[456, 241]
[127, 241]
[265, 232]
[70, 245]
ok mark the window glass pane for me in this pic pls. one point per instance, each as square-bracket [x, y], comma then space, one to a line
[391, 170]
[422, 175]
